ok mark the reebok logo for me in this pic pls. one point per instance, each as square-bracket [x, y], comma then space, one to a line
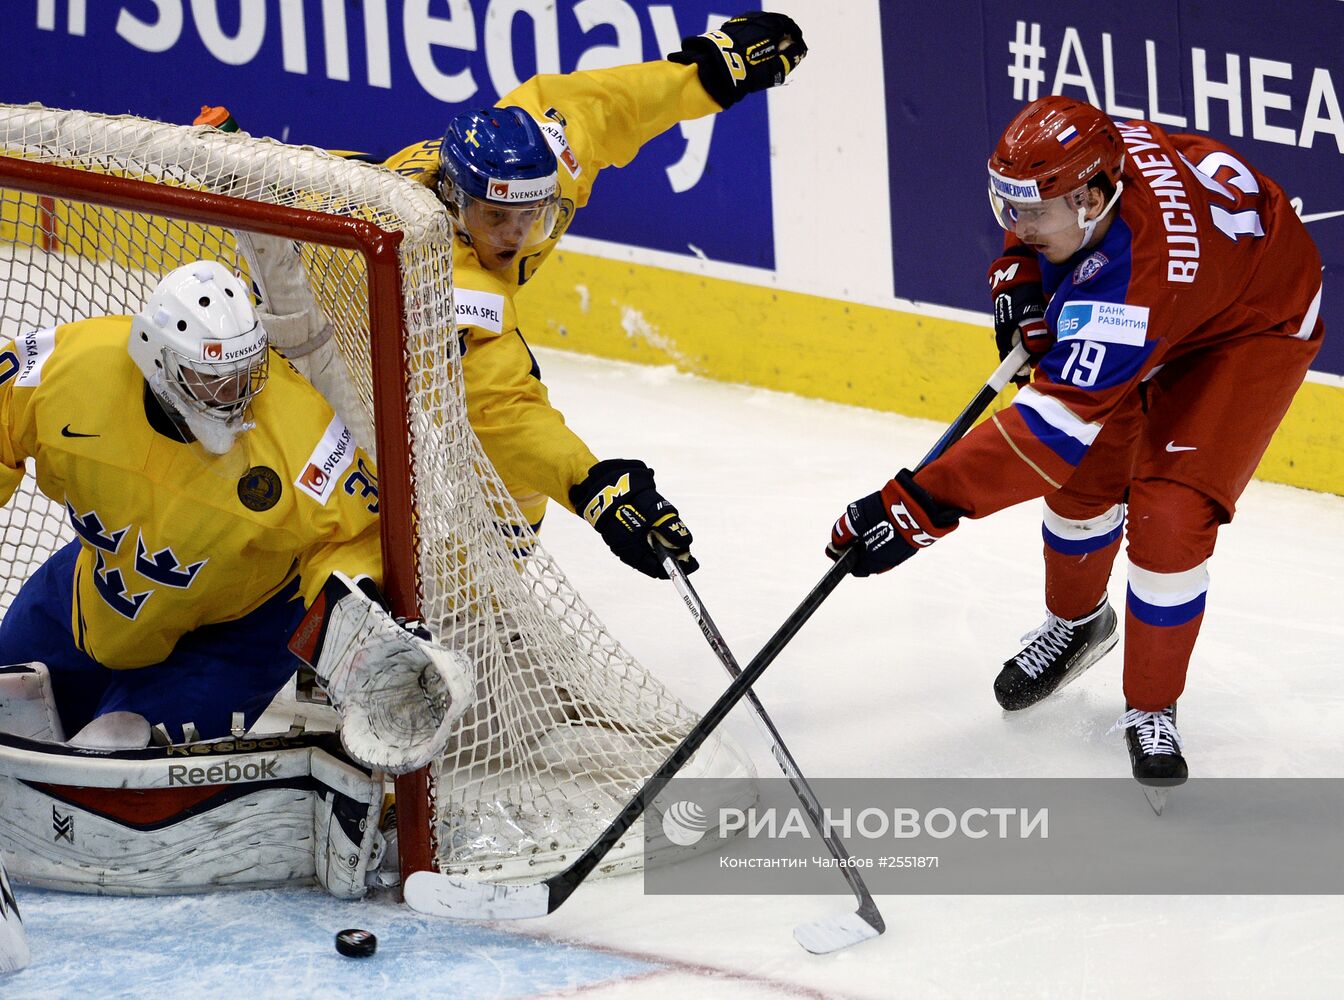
[1173, 446]
[223, 774]
[67, 432]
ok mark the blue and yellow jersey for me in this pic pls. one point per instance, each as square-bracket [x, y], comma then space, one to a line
[592, 120]
[171, 537]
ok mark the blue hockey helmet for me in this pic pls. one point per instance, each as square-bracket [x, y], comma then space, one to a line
[498, 176]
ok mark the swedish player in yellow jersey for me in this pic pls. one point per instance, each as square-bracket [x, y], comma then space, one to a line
[513, 176]
[209, 514]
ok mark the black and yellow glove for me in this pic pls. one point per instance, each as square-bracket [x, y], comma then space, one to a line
[750, 52]
[619, 499]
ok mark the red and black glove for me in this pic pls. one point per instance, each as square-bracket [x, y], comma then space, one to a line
[891, 525]
[1019, 303]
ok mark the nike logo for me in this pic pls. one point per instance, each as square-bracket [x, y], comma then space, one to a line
[1173, 446]
[67, 432]
[1315, 216]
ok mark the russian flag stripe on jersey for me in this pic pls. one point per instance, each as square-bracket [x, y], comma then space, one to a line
[1077, 538]
[1055, 425]
[1168, 599]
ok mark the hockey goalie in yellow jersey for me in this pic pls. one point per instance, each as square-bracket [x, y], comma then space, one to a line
[214, 496]
[512, 177]
[226, 525]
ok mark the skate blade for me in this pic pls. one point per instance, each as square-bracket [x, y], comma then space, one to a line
[1157, 797]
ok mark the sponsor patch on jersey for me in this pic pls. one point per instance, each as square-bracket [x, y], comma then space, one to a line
[514, 191]
[559, 143]
[484, 310]
[259, 489]
[1108, 322]
[33, 349]
[332, 456]
[1090, 268]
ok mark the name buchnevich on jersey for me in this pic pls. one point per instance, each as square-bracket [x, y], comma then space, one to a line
[1165, 181]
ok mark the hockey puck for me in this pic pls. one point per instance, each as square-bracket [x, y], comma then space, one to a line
[356, 943]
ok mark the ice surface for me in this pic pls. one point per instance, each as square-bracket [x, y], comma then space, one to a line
[891, 678]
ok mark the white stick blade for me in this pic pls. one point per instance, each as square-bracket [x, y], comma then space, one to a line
[464, 899]
[821, 937]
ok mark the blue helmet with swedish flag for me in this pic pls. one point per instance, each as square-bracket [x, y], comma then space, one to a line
[498, 177]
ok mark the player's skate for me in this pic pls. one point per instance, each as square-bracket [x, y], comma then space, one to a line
[1154, 752]
[1055, 654]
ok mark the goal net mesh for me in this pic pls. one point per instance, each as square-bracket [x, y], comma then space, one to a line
[566, 724]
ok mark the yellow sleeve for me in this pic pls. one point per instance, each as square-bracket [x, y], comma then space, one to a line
[609, 114]
[524, 436]
[420, 162]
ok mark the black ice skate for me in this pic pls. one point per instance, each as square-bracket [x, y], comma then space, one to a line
[1055, 654]
[1154, 752]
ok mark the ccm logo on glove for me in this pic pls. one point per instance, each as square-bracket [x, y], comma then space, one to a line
[891, 525]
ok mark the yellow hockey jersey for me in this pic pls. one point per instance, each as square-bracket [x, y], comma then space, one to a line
[172, 538]
[592, 120]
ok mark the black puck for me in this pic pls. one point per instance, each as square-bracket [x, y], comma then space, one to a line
[356, 943]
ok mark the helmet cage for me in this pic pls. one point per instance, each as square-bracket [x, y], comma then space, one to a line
[221, 391]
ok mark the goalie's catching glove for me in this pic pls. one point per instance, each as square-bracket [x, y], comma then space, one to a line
[750, 52]
[891, 525]
[397, 694]
[619, 499]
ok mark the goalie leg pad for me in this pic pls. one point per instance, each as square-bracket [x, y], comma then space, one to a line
[27, 705]
[227, 814]
[13, 942]
[348, 845]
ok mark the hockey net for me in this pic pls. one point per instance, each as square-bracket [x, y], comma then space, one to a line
[566, 724]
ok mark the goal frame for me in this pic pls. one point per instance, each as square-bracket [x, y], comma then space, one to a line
[379, 248]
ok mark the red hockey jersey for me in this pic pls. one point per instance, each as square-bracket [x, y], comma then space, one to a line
[1204, 249]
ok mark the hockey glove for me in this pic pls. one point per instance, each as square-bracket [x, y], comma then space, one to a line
[397, 695]
[619, 499]
[891, 525]
[750, 52]
[1019, 304]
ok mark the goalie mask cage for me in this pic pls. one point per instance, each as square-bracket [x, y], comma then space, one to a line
[566, 725]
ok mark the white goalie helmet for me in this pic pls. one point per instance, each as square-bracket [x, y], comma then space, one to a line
[203, 350]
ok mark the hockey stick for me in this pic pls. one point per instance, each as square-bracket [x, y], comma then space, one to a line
[829, 933]
[453, 896]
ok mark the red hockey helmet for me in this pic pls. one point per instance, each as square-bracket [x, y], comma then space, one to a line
[1050, 151]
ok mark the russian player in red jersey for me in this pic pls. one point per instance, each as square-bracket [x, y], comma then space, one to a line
[1170, 299]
